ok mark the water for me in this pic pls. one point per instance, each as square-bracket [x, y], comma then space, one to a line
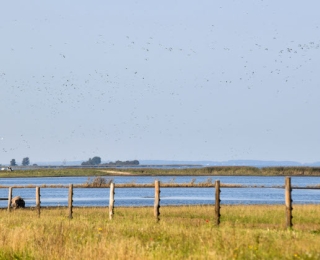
[169, 196]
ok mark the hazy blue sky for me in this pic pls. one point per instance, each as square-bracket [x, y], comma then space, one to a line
[168, 80]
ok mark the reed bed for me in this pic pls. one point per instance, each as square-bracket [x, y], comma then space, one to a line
[186, 232]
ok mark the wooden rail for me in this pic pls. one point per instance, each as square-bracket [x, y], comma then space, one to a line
[217, 187]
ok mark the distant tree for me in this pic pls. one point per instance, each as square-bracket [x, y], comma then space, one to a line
[92, 161]
[85, 163]
[25, 161]
[135, 162]
[123, 163]
[13, 162]
[96, 160]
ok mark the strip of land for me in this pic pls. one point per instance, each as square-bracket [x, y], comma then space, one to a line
[202, 171]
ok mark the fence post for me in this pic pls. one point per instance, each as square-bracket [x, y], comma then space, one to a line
[70, 200]
[111, 201]
[9, 199]
[217, 202]
[38, 200]
[157, 200]
[288, 202]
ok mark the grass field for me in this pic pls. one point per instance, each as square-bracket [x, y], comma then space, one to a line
[205, 171]
[186, 232]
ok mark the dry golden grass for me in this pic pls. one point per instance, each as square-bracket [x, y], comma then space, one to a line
[186, 232]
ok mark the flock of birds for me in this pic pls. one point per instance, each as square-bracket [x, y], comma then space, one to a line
[127, 97]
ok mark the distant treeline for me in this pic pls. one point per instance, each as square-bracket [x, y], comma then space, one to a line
[97, 161]
[92, 161]
[122, 163]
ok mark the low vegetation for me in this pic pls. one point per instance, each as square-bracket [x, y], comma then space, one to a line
[208, 171]
[186, 232]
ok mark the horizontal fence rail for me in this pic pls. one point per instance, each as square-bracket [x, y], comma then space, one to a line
[163, 185]
[217, 186]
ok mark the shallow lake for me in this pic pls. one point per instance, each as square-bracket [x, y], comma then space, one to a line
[169, 196]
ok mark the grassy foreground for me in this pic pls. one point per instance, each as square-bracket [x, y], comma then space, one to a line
[187, 232]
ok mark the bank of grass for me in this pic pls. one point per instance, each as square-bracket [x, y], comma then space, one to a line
[52, 172]
[232, 171]
[187, 232]
[208, 171]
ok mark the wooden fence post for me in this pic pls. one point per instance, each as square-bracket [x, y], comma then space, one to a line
[9, 199]
[70, 200]
[157, 200]
[111, 201]
[38, 200]
[217, 202]
[288, 202]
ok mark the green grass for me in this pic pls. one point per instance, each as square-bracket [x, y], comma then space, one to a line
[187, 232]
[209, 171]
[62, 172]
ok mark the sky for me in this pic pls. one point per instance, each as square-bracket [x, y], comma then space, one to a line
[165, 80]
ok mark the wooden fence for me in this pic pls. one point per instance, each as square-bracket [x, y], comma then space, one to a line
[288, 201]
